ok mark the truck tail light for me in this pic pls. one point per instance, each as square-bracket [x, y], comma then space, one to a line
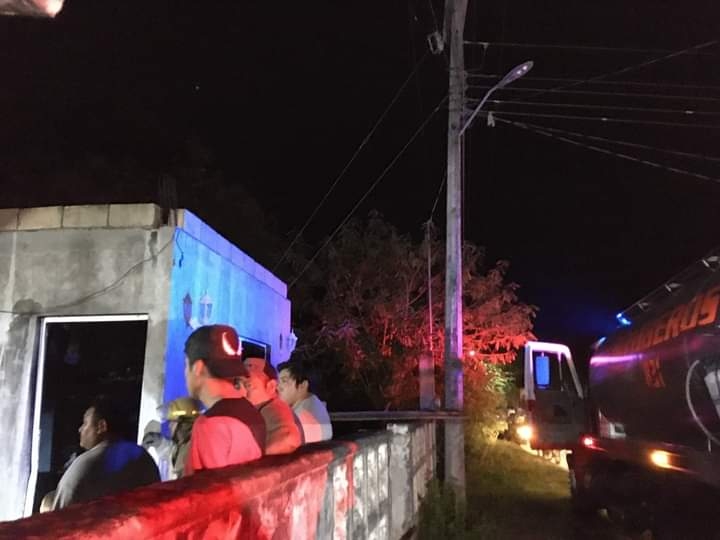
[661, 459]
[588, 442]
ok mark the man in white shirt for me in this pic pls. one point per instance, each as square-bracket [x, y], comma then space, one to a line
[294, 389]
[109, 465]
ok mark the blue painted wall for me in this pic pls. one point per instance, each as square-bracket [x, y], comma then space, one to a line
[245, 297]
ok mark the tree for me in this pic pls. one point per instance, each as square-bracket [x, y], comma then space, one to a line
[372, 316]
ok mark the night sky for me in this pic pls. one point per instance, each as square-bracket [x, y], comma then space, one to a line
[282, 93]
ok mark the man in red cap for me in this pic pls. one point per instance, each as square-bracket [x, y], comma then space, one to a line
[231, 431]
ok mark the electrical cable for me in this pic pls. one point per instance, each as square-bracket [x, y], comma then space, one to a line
[624, 143]
[595, 93]
[352, 160]
[108, 288]
[610, 152]
[368, 192]
[598, 48]
[685, 112]
[633, 67]
[604, 119]
[481, 75]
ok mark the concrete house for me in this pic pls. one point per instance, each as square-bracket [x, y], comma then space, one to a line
[100, 299]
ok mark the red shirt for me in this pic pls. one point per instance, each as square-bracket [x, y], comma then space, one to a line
[231, 432]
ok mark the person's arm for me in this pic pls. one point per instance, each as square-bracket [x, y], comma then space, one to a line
[70, 488]
[283, 433]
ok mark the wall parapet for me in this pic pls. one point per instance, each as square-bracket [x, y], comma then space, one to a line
[357, 488]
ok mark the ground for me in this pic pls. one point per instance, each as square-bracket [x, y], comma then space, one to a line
[513, 494]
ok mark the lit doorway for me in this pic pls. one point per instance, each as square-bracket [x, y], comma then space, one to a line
[80, 358]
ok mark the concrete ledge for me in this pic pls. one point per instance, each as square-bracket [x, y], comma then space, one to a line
[134, 215]
[9, 219]
[201, 231]
[337, 489]
[33, 219]
[86, 217]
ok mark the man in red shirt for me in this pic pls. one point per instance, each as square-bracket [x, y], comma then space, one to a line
[231, 431]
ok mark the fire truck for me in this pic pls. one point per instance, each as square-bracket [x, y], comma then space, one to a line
[642, 426]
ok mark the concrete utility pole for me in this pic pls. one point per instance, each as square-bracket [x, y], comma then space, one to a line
[454, 431]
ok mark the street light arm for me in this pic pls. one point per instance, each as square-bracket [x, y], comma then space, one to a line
[477, 110]
[513, 75]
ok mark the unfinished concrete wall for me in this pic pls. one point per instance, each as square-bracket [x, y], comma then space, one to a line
[117, 260]
[53, 262]
[333, 490]
[214, 282]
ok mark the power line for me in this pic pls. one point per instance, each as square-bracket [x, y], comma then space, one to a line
[620, 83]
[487, 44]
[598, 93]
[633, 67]
[609, 152]
[437, 198]
[605, 119]
[685, 112]
[369, 191]
[352, 160]
[623, 143]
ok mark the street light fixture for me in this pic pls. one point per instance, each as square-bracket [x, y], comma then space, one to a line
[513, 75]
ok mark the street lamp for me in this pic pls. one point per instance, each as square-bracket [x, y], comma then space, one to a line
[33, 8]
[513, 75]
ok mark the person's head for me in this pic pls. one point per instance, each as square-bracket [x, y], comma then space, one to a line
[261, 382]
[101, 420]
[293, 382]
[213, 354]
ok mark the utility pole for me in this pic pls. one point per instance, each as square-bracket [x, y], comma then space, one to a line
[454, 431]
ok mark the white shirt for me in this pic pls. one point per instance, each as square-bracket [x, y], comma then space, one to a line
[314, 417]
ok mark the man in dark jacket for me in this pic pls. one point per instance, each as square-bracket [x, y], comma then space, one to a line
[231, 431]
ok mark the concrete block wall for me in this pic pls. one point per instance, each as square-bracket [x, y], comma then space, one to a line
[201, 231]
[334, 490]
[144, 215]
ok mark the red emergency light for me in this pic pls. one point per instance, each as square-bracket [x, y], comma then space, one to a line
[588, 442]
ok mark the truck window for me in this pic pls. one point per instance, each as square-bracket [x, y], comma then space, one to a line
[542, 371]
[547, 371]
[568, 385]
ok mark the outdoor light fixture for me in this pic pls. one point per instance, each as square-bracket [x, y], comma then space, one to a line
[513, 75]
[206, 305]
[624, 321]
[31, 8]
[292, 340]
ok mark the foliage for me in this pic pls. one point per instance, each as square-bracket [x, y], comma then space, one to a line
[373, 311]
[440, 515]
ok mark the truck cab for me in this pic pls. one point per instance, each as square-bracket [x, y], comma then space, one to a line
[554, 396]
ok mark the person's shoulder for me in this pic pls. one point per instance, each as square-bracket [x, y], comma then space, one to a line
[89, 458]
[277, 407]
[316, 403]
[125, 452]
